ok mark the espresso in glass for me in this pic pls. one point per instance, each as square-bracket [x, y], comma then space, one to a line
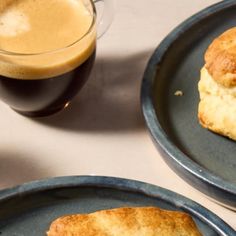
[47, 49]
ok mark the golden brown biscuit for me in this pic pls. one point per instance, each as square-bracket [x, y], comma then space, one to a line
[141, 221]
[217, 86]
[220, 59]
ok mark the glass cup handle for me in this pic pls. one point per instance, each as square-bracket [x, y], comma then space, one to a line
[105, 15]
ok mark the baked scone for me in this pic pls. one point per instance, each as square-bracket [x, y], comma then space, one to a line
[217, 86]
[140, 221]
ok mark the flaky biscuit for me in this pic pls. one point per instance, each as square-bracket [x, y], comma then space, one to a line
[217, 108]
[217, 86]
[139, 221]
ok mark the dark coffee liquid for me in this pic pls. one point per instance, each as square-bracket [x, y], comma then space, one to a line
[44, 96]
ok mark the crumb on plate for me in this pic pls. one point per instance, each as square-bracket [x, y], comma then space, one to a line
[179, 93]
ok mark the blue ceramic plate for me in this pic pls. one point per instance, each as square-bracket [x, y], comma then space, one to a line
[204, 159]
[28, 209]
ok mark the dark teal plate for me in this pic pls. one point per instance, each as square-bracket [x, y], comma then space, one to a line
[205, 160]
[28, 209]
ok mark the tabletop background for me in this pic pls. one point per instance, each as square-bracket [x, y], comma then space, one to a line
[103, 132]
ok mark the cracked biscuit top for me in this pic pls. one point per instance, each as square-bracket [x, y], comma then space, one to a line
[220, 59]
[127, 221]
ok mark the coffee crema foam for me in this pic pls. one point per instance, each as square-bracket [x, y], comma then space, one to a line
[49, 31]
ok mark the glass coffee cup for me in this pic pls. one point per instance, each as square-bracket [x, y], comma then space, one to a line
[47, 50]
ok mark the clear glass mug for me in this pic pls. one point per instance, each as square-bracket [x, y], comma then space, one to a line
[40, 84]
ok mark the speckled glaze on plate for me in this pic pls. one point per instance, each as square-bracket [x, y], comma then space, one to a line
[205, 160]
[29, 208]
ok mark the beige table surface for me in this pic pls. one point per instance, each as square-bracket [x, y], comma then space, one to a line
[102, 132]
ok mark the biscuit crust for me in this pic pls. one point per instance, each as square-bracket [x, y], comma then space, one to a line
[139, 221]
[220, 59]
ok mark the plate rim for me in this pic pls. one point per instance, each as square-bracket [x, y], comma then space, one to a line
[179, 201]
[158, 135]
